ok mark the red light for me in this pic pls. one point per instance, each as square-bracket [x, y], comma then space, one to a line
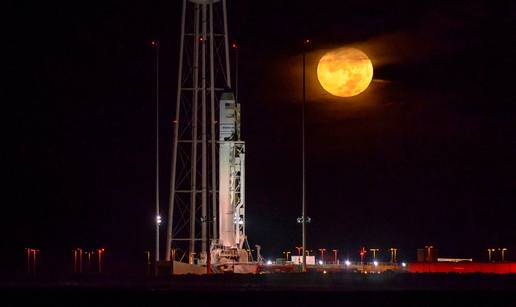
[234, 46]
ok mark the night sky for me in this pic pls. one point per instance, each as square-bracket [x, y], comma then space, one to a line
[426, 155]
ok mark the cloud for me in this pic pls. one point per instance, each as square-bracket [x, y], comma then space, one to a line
[447, 29]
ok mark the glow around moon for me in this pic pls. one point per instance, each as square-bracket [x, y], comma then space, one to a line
[345, 72]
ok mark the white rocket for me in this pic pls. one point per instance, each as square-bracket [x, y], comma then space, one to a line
[231, 175]
[229, 247]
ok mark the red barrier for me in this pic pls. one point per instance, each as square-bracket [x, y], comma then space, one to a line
[462, 267]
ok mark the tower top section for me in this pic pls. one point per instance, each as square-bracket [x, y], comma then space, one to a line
[229, 118]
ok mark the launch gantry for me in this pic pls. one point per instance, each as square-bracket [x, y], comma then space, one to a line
[205, 100]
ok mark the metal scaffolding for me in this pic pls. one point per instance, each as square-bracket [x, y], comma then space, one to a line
[203, 73]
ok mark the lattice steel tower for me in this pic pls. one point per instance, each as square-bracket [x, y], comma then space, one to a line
[203, 74]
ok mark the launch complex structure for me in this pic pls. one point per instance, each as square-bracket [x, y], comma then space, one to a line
[206, 214]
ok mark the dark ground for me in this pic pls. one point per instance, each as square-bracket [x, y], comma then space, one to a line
[265, 290]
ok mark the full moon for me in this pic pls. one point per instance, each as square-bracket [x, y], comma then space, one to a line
[345, 72]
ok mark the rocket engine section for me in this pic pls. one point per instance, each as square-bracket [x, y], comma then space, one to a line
[231, 185]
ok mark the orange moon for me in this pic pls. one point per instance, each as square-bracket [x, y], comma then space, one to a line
[345, 72]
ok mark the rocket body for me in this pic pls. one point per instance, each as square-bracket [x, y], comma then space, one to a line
[231, 174]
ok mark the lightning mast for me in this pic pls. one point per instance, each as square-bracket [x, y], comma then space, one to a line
[203, 75]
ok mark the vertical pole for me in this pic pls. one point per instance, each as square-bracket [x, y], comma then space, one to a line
[147, 253]
[226, 44]
[212, 109]
[28, 260]
[208, 254]
[75, 260]
[176, 135]
[157, 162]
[172, 254]
[100, 260]
[195, 104]
[80, 260]
[215, 234]
[303, 213]
[242, 191]
[34, 261]
[236, 74]
[204, 195]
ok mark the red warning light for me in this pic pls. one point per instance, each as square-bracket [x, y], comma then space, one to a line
[362, 251]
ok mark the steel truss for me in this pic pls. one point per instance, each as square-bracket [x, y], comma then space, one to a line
[204, 72]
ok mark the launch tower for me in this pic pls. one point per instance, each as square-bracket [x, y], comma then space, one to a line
[206, 214]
